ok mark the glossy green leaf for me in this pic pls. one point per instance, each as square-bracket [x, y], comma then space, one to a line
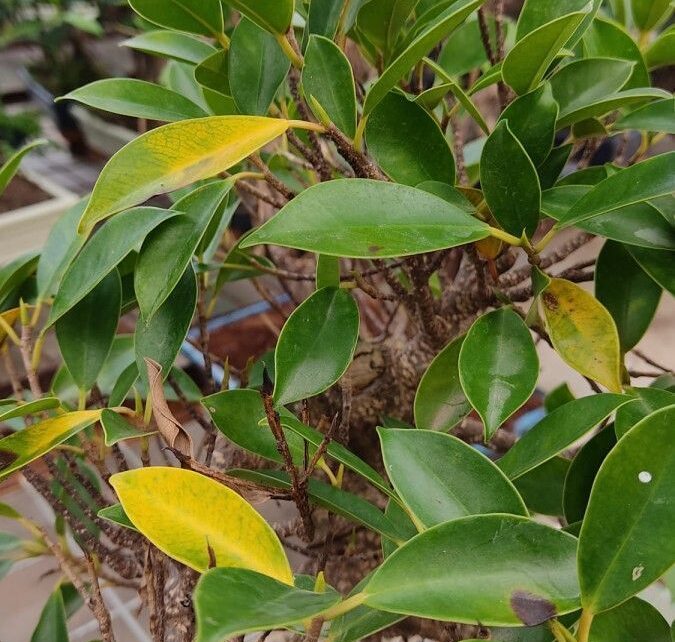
[255, 603]
[85, 333]
[625, 542]
[173, 156]
[171, 44]
[525, 65]
[661, 52]
[464, 51]
[123, 386]
[257, 67]
[531, 119]
[116, 515]
[194, 519]
[658, 116]
[350, 506]
[606, 38]
[647, 401]
[509, 182]
[138, 98]
[582, 332]
[500, 570]
[273, 15]
[407, 143]
[238, 414]
[607, 104]
[423, 464]
[180, 78]
[13, 275]
[552, 167]
[382, 20]
[116, 428]
[213, 74]
[364, 218]
[323, 18]
[161, 337]
[28, 407]
[106, 249]
[557, 431]
[61, 247]
[445, 24]
[327, 271]
[649, 179]
[440, 402]
[11, 166]
[498, 367]
[204, 17]
[658, 265]
[632, 621]
[542, 487]
[52, 626]
[23, 447]
[327, 77]
[168, 249]
[583, 470]
[536, 13]
[316, 345]
[630, 295]
[647, 13]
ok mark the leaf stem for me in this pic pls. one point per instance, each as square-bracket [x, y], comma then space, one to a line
[358, 136]
[305, 124]
[546, 239]
[224, 40]
[259, 176]
[287, 48]
[345, 606]
[560, 632]
[505, 236]
[585, 625]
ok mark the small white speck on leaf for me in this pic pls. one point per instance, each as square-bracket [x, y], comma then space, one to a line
[637, 572]
[645, 476]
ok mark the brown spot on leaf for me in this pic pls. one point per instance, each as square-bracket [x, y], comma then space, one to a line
[212, 554]
[531, 609]
[550, 301]
[7, 458]
[374, 249]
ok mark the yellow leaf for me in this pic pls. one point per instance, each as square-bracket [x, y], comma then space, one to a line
[23, 447]
[10, 317]
[173, 156]
[184, 514]
[583, 332]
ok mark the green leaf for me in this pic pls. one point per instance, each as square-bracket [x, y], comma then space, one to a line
[11, 165]
[531, 119]
[625, 542]
[160, 161]
[423, 464]
[327, 77]
[257, 67]
[117, 429]
[204, 17]
[499, 570]
[323, 18]
[29, 407]
[630, 295]
[440, 402]
[554, 164]
[649, 179]
[161, 337]
[509, 181]
[85, 333]
[255, 603]
[363, 218]
[106, 249]
[498, 367]
[536, 13]
[272, 15]
[23, 447]
[61, 247]
[316, 345]
[116, 515]
[464, 52]
[442, 27]
[525, 65]
[138, 98]
[171, 44]
[632, 620]
[327, 271]
[647, 401]
[582, 332]
[14, 274]
[661, 52]
[194, 519]
[557, 431]
[407, 142]
[583, 470]
[648, 13]
[658, 116]
[51, 626]
[382, 20]
[542, 487]
[168, 249]
[350, 506]
[213, 73]
[657, 264]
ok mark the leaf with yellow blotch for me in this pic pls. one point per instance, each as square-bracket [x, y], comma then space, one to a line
[583, 332]
[25, 446]
[9, 317]
[173, 156]
[194, 519]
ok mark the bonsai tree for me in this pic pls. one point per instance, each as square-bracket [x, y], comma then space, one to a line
[418, 177]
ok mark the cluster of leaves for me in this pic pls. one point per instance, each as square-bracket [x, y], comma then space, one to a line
[378, 188]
